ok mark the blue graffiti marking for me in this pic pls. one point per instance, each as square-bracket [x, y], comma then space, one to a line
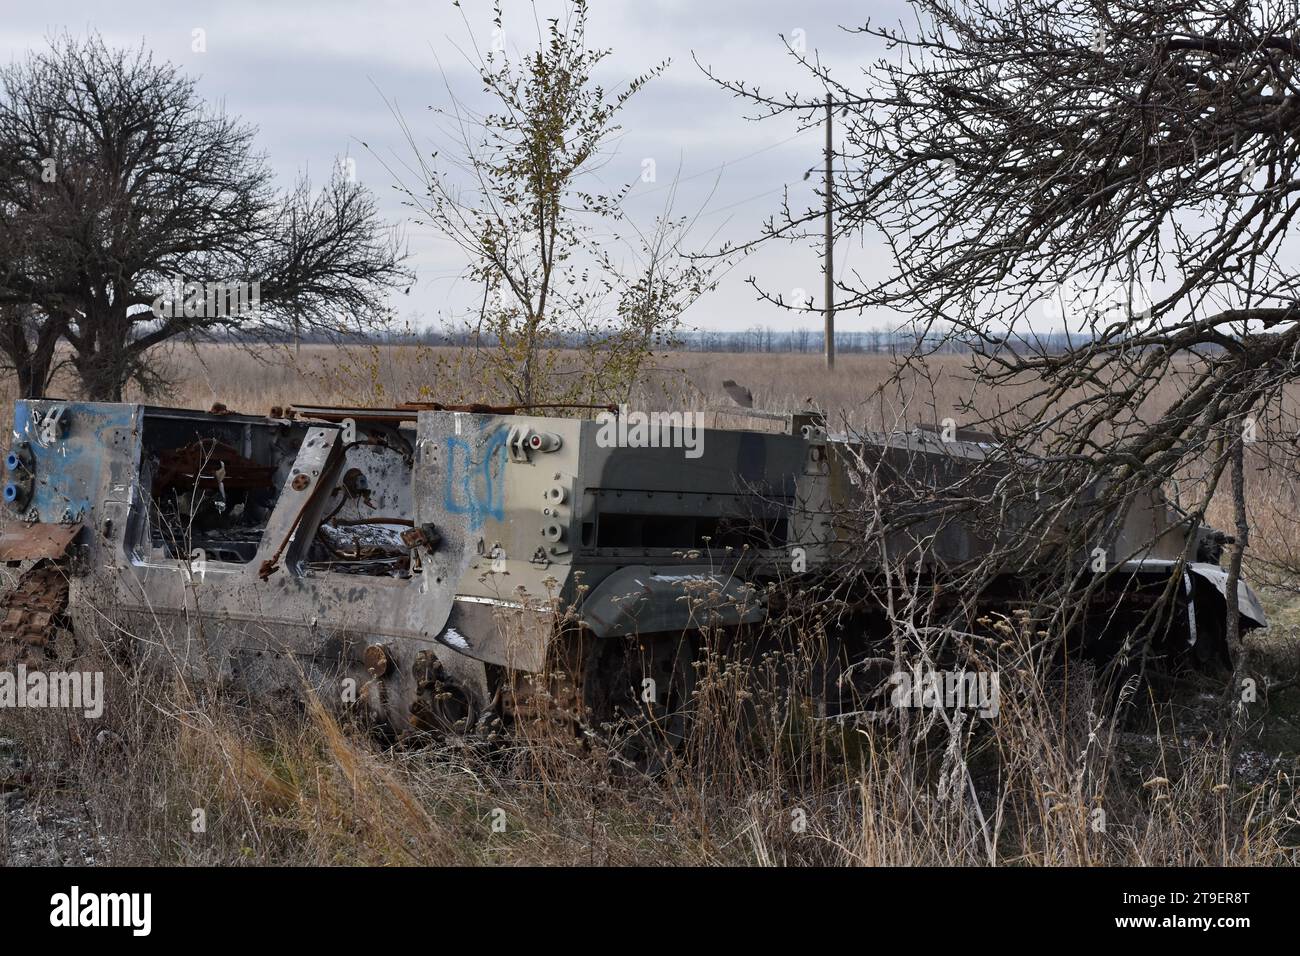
[474, 488]
[69, 473]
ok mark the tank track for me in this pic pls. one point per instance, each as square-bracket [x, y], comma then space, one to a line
[32, 613]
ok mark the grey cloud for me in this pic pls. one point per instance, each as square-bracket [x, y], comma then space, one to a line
[313, 77]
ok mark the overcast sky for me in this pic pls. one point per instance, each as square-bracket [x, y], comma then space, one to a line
[313, 76]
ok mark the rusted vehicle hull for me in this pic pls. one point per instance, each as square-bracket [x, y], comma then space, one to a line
[418, 561]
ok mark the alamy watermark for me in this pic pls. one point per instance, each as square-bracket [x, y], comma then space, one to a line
[946, 690]
[130, 910]
[207, 300]
[629, 429]
[66, 690]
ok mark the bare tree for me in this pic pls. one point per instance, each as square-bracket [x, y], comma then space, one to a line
[1128, 171]
[516, 194]
[30, 333]
[117, 181]
[31, 345]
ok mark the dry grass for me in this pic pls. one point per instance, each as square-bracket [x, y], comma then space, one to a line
[301, 785]
[254, 381]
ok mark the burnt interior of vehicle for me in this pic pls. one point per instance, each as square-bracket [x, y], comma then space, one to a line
[213, 483]
[367, 526]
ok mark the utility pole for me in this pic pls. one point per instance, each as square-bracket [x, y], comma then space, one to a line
[830, 249]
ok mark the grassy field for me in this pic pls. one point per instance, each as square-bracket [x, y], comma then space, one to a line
[292, 784]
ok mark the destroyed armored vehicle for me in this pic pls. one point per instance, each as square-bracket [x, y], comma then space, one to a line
[428, 562]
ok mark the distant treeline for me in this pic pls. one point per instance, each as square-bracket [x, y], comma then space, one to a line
[757, 339]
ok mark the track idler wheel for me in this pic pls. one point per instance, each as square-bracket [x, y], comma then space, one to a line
[441, 705]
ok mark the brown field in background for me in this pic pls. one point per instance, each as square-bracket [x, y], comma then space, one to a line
[252, 380]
